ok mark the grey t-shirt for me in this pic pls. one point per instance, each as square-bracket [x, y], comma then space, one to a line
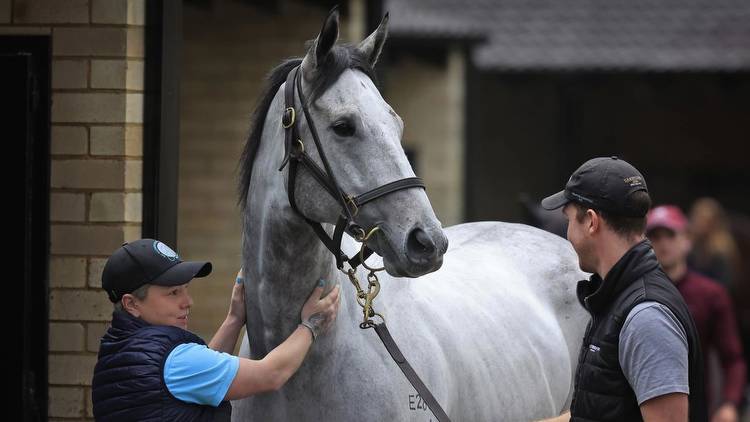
[654, 352]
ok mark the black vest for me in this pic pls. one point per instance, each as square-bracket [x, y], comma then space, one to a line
[602, 393]
[128, 380]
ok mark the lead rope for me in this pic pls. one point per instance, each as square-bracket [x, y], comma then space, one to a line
[365, 301]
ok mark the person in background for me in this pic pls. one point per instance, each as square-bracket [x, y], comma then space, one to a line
[708, 302]
[714, 252]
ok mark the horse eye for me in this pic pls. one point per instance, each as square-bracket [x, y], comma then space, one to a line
[343, 128]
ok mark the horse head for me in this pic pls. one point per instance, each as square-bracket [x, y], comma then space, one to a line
[360, 135]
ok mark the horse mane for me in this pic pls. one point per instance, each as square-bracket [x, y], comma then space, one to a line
[339, 59]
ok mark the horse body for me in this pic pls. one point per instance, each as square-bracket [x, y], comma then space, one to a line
[494, 333]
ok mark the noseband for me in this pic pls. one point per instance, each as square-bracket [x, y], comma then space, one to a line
[295, 155]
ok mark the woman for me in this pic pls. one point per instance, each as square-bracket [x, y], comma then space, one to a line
[151, 368]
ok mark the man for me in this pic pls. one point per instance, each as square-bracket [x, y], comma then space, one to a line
[640, 358]
[707, 300]
[151, 368]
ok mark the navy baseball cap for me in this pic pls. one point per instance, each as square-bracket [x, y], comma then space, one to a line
[602, 183]
[147, 261]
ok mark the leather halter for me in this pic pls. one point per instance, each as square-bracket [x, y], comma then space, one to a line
[295, 154]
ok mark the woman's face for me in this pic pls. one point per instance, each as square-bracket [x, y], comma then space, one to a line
[165, 305]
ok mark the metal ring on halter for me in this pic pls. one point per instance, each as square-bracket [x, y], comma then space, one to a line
[362, 250]
[292, 117]
[369, 323]
[301, 146]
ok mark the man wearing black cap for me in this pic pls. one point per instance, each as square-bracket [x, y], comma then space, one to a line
[151, 368]
[640, 358]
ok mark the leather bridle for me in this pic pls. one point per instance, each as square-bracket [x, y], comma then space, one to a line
[295, 155]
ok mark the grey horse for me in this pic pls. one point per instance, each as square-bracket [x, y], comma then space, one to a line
[490, 323]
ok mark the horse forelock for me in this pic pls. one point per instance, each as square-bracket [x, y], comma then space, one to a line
[339, 59]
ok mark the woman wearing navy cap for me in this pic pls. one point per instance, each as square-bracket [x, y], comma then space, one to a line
[151, 368]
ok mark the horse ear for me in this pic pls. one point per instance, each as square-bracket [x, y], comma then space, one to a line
[373, 44]
[323, 44]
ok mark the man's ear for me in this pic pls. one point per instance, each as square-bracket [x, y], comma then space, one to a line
[595, 221]
[130, 305]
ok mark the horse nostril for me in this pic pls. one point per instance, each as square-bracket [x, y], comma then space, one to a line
[419, 244]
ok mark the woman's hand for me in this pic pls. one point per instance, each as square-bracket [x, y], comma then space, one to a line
[237, 309]
[319, 311]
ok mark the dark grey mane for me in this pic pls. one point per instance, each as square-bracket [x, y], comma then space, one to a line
[339, 59]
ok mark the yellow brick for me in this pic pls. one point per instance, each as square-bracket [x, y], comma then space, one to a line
[131, 12]
[79, 305]
[67, 207]
[117, 74]
[69, 74]
[66, 337]
[89, 404]
[134, 108]
[88, 174]
[66, 402]
[51, 11]
[71, 369]
[136, 44]
[67, 272]
[94, 333]
[115, 207]
[117, 140]
[69, 140]
[90, 42]
[133, 174]
[96, 267]
[87, 240]
[90, 107]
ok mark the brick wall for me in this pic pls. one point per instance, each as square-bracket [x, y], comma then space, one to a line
[96, 147]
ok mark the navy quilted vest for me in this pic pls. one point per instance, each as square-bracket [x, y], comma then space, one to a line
[128, 380]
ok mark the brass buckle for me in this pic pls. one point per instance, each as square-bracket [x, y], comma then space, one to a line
[289, 112]
[350, 200]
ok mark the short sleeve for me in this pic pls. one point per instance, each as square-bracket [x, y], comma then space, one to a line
[196, 374]
[654, 352]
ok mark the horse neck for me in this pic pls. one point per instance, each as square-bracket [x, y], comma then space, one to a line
[282, 256]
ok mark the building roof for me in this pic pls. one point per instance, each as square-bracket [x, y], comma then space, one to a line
[658, 35]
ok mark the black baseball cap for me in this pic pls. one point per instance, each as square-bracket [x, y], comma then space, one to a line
[147, 261]
[602, 183]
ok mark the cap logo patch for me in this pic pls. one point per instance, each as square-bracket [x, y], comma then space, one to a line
[165, 251]
[633, 181]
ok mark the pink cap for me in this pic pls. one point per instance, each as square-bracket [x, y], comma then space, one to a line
[666, 216]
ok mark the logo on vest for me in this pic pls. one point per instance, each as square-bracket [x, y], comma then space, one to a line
[165, 251]
[594, 348]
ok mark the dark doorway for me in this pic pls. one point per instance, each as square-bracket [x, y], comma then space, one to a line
[686, 132]
[25, 75]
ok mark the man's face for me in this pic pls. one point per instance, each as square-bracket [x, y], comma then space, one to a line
[166, 306]
[578, 236]
[671, 247]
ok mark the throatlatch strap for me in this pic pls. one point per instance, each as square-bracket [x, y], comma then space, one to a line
[411, 375]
